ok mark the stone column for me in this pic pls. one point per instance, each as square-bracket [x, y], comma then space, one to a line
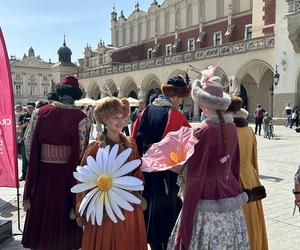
[141, 94]
[121, 93]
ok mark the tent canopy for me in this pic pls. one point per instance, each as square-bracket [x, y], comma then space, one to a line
[85, 101]
[133, 102]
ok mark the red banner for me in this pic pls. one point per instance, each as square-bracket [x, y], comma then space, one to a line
[8, 147]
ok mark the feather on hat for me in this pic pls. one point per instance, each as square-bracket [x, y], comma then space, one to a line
[209, 93]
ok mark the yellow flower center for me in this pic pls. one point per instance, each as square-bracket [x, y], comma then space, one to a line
[104, 182]
[174, 157]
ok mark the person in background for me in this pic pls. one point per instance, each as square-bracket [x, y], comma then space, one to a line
[90, 115]
[161, 117]
[82, 108]
[126, 127]
[259, 115]
[249, 176]
[57, 137]
[18, 112]
[202, 116]
[266, 121]
[295, 117]
[22, 124]
[296, 190]
[138, 110]
[288, 112]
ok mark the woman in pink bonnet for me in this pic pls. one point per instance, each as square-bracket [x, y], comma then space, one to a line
[212, 215]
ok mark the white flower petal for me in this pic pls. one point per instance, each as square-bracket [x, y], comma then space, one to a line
[130, 188]
[114, 205]
[90, 209]
[99, 208]
[120, 160]
[85, 201]
[126, 168]
[113, 153]
[93, 166]
[127, 180]
[82, 178]
[105, 154]
[108, 208]
[79, 167]
[93, 217]
[99, 156]
[86, 171]
[126, 195]
[81, 187]
[120, 201]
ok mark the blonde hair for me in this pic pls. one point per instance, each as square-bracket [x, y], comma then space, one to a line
[110, 106]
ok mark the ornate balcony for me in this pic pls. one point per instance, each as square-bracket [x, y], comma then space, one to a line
[293, 21]
[188, 56]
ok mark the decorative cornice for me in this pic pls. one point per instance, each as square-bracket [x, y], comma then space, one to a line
[229, 49]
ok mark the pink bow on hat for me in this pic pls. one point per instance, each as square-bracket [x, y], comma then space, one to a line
[208, 76]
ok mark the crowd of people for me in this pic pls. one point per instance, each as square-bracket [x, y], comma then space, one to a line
[212, 202]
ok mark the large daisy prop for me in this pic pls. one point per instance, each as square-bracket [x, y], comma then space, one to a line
[172, 151]
[109, 188]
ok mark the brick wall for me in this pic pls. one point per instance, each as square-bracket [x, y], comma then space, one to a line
[269, 17]
[139, 52]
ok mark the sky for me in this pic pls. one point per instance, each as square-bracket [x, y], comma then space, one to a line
[43, 23]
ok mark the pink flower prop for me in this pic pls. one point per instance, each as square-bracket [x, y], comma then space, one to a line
[172, 151]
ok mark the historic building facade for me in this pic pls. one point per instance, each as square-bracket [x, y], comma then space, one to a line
[33, 78]
[248, 39]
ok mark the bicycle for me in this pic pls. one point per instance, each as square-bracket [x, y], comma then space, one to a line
[269, 132]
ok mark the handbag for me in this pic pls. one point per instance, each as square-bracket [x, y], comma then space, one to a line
[256, 193]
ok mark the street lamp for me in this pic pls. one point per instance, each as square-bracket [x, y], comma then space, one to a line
[271, 91]
[276, 76]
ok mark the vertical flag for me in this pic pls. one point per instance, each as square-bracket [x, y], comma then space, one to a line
[8, 151]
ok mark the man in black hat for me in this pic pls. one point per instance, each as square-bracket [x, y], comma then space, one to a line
[159, 118]
[23, 123]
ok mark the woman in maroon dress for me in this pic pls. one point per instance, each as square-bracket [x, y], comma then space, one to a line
[57, 136]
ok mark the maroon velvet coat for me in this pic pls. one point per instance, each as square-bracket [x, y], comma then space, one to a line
[48, 185]
[206, 176]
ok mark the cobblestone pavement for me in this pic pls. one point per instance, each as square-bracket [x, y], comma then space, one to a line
[278, 161]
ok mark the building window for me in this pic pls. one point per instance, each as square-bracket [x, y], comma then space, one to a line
[45, 90]
[217, 38]
[18, 89]
[189, 16]
[32, 77]
[150, 53]
[45, 78]
[167, 23]
[248, 31]
[131, 35]
[191, 44]
[31, 89]
[178, 18]
[297, 5]
[168, 49]
[18, 76]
